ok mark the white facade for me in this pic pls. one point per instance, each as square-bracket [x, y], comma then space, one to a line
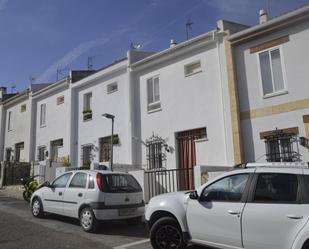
[188, 101]
[286, 106]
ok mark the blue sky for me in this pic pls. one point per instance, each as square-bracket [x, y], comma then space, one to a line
[39, 36]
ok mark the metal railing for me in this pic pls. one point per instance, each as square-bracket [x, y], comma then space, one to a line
[168, 180]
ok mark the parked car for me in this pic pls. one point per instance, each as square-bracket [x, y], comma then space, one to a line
[258, 206]
[91, 196]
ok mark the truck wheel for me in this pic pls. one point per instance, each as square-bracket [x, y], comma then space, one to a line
[88, 220]
[166, 233]
[37, 208]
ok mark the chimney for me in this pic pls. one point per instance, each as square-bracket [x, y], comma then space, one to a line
[2, 92]
[173, 43]
[263, 16]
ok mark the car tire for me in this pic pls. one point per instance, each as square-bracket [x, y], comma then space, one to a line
[88, 220]
[166, 233]
[134, 221]
[37, 208]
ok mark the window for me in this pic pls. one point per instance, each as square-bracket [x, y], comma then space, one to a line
[10, 121]
[55, 145]
[113, 87]
[87, 155]
[43, 115]
[79, 180]
[271, 71]
[87, 112]
[105, 147]
[155, 152]
[276, 188]
[18, 151]
[118, 183]
[193, 68]
[228, 189]
[153, 94]
[279, 148]
[23, 108]
[61, 181]
[60, 100]
[91, 182]
[41, 153]
[8, 154]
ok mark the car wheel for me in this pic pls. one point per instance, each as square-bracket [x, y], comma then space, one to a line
[37, 208]
[87, 220]
[166, 233]
[134, 221]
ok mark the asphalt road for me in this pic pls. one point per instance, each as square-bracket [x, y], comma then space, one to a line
[20, 230]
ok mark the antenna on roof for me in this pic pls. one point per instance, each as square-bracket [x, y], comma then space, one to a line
[90, 62]
[32, 79]
[189, 24]
[60, 71]
[135, 46]
[268, 6]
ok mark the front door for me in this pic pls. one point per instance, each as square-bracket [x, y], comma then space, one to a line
[53, 195]
[215, 219]
[75, 194]
[187, 156]
[275, 215]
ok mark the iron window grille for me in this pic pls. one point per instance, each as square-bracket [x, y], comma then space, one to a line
[41, 153]
[156, 158]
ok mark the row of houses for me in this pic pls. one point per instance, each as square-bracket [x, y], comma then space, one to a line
[234, 94]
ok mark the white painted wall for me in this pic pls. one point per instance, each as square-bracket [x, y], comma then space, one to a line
[57, 121]
[116, 103]
[189, 103]
[20, 131]
[296, 62]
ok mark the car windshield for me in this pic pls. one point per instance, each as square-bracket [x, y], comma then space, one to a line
[121, 183]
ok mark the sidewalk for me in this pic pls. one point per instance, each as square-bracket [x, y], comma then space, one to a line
[12, 191]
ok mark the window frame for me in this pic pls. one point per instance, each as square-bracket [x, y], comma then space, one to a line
[23, 108]
[60, 100]
[69, 180]
[42, 124]
[285, 87]
[245, 193]
[10, 128]
[149, 105]
[44, 154]
[78, 187]
[110, 85]
[253, 188]
[190, 64]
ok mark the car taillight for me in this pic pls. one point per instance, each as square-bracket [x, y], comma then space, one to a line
[100, 182]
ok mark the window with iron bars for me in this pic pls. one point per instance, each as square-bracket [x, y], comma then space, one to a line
[280, 148]
[155, 152]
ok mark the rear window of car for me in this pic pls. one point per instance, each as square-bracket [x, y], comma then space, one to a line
[118, 183]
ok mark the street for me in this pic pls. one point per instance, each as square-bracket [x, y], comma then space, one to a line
[20, 230]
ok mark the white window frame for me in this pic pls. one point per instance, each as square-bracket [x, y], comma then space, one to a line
[155, 102]
[89, 99]
[42, 124]
[108, 90]
[10, 121]
[190, 64]
[285, 89]
[60, 100]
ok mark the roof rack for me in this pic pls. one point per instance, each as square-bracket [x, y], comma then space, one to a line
[274, 164]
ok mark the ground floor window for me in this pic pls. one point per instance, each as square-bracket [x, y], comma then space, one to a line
[19, 147]
[8, 154]
[156, 156]
[41, 153]
[87, 155]
[105, 147]
[281, 145]
[54, 146]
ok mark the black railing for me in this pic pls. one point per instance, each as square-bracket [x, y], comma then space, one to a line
[168, 180]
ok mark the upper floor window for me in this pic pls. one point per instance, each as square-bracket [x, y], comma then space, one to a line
[43, 115]
[271, 71]
[87, 112]
[60, 100]
[193, 68]
[23, 108]
[10, 121]
[112, 87]
[153, 93]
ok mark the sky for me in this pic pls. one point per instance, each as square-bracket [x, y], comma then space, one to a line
[40, 37]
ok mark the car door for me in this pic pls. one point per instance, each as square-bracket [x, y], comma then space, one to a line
[274, 213]
[75, 194]
[215, 218]
[53, 196]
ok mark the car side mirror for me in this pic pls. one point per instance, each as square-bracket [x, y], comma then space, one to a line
[47, 184]
[193, 195]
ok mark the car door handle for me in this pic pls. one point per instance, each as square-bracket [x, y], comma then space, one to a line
[232, 212]
[294, 217]
[80, 194]
[60, 193]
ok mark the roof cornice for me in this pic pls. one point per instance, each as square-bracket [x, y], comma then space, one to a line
[271, 25]
[17, 98]
[51, 88]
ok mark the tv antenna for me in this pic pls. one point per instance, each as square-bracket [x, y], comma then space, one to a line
[189, 27]
[60, 71]
[135, 46]
[90, 62]
[32, 79]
